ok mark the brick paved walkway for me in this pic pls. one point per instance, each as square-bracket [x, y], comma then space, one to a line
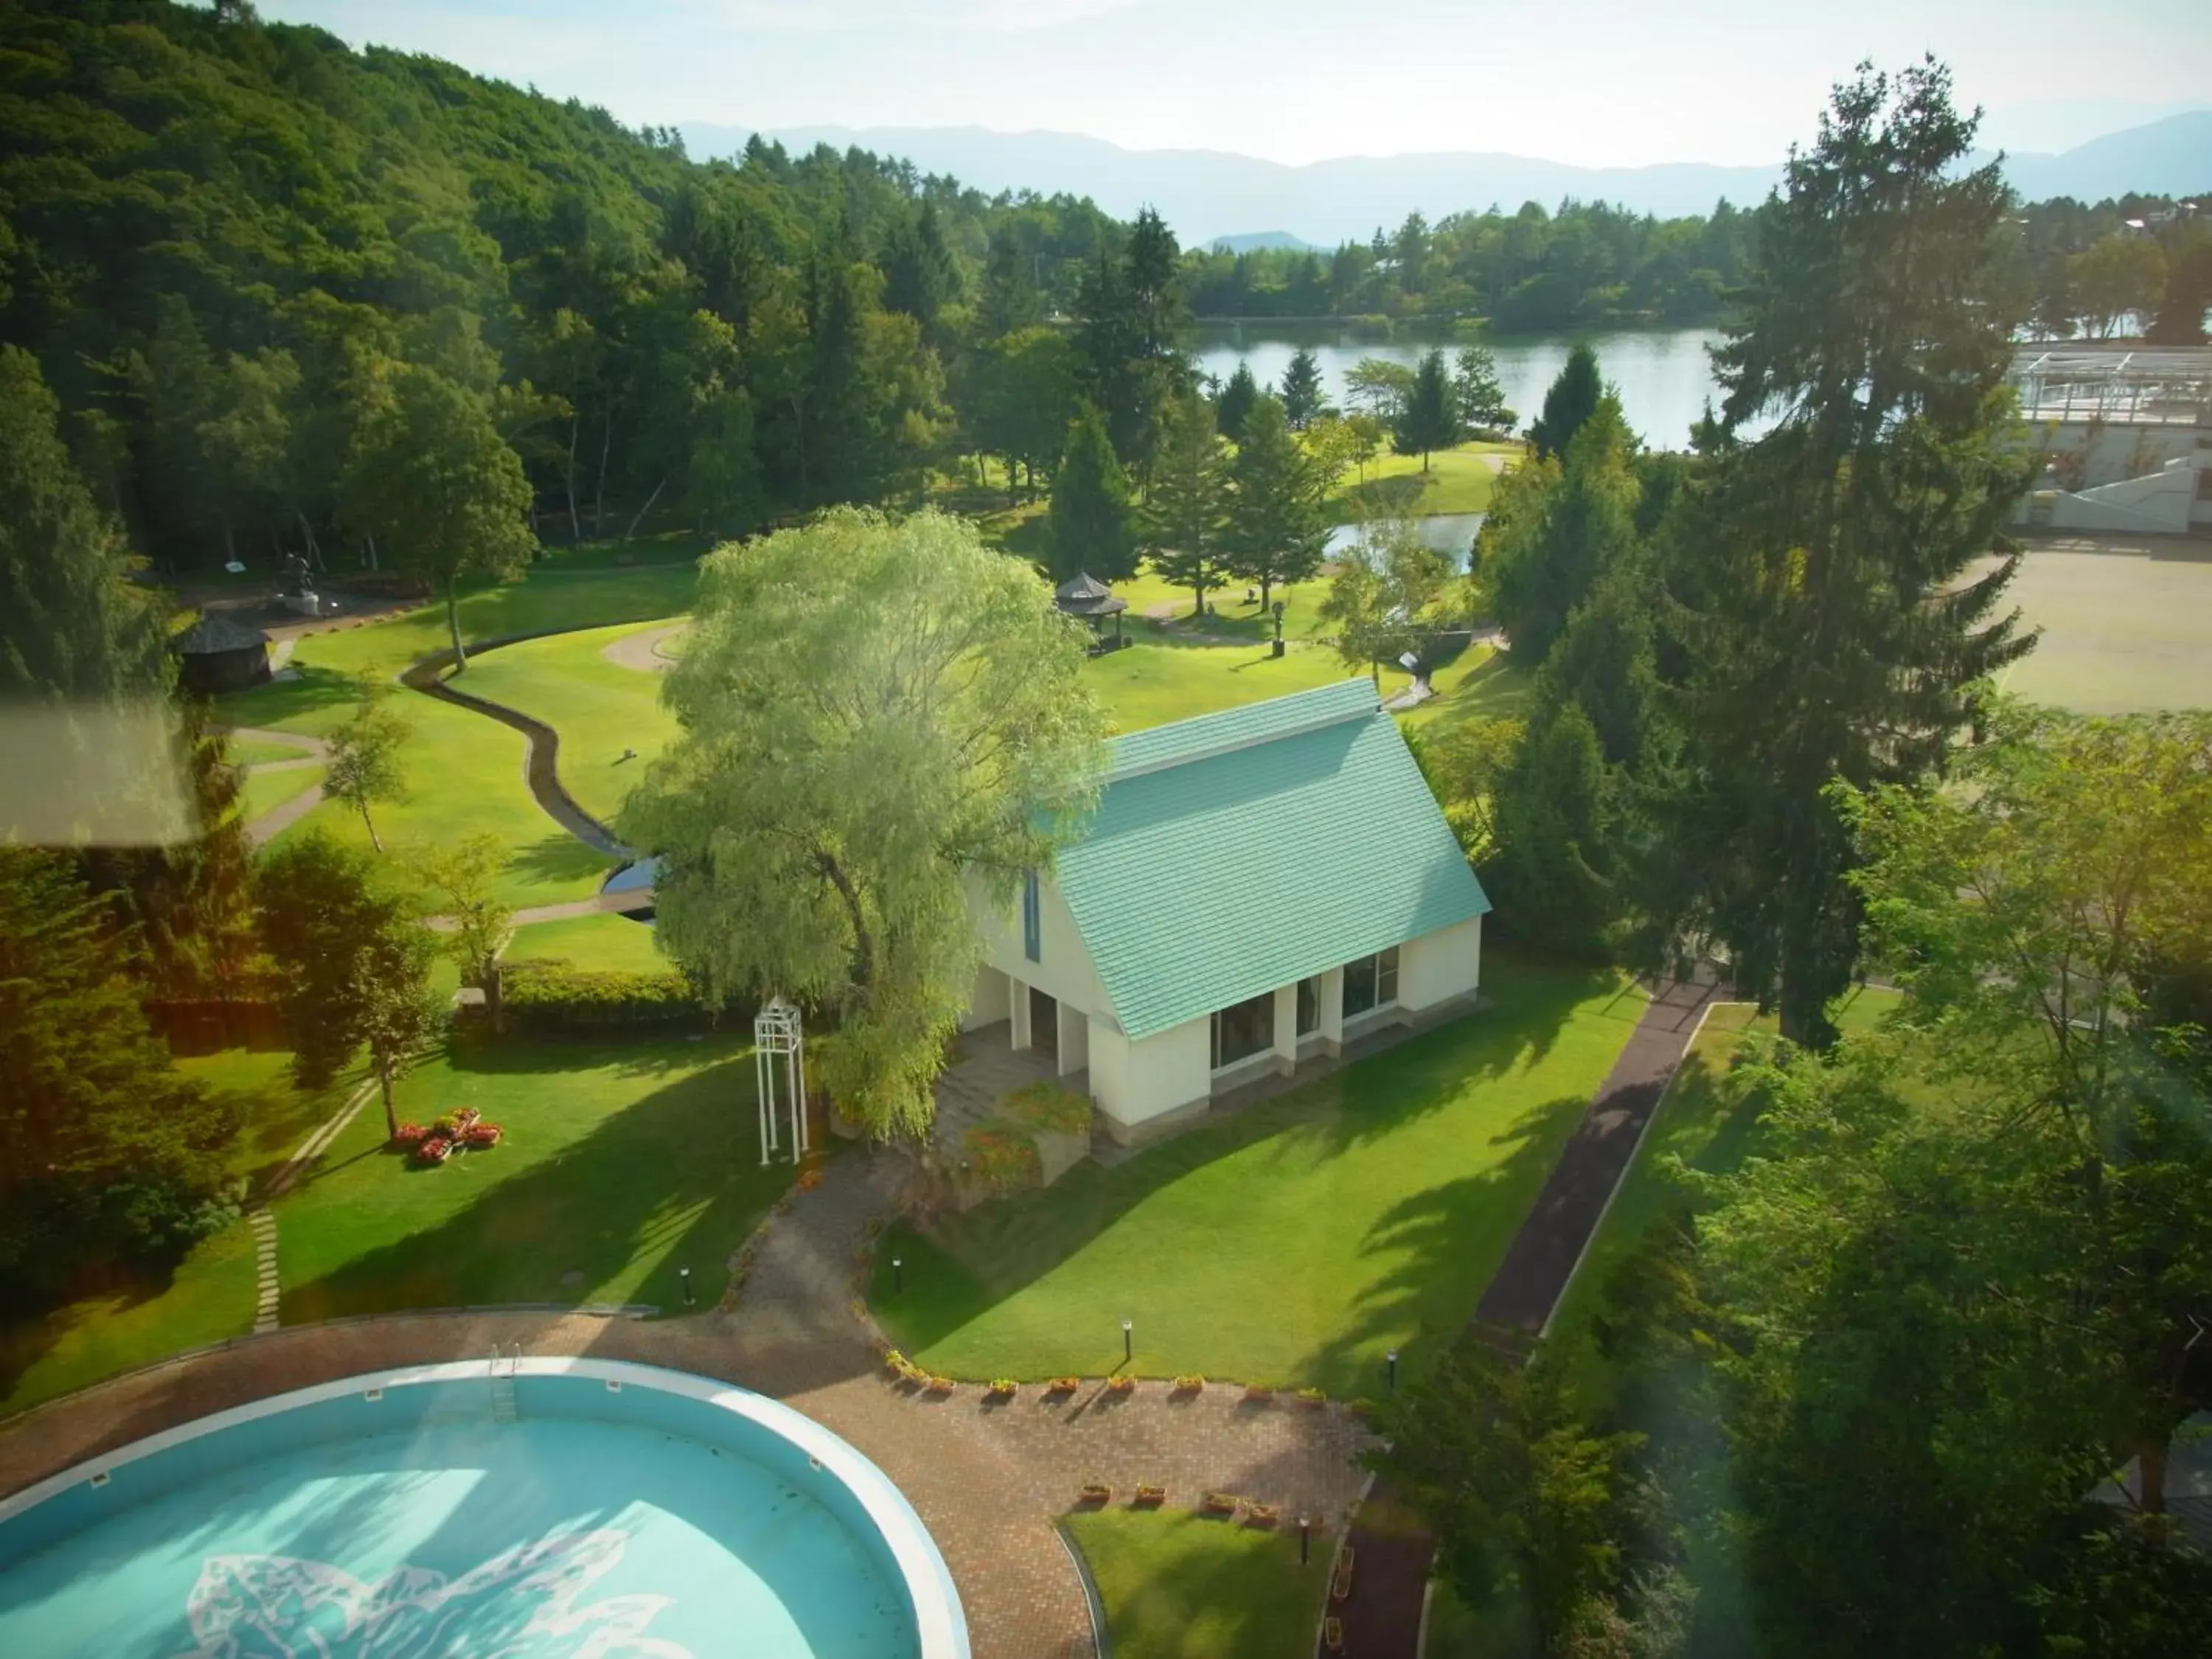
[987, 1480]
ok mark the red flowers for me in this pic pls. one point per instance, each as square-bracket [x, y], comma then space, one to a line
[463, 1130]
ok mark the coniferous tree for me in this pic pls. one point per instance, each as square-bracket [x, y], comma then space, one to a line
[1092, 530]
[72, 628]
[1185, 517]
[1302, 392]
[1570, 399]
[1277, 531]
[1840, 630]
[105, 1150]
[1009, 301]
[1429, 417]
[1235, 403]
[1555, 532]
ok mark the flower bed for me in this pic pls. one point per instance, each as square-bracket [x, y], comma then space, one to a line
[1003, 1158]
[1122, 1385]
[1061, 1385]
[1047, 1105]
[1192, 1384]
[1094, 1492]
[1150, 1496]
[1002, 1388]
[432, 1149]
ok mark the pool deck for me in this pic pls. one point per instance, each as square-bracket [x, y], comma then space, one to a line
[987, 1480]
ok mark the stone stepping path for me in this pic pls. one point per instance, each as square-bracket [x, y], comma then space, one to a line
[265, 1287]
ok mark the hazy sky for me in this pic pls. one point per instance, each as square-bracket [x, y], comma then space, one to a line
[1592, 82]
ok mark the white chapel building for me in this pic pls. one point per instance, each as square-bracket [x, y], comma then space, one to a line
[1257, 888]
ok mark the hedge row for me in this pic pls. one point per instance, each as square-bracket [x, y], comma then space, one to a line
[552, 998]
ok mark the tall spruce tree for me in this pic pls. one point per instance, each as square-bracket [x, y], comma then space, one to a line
[1571, 399]
[1185, 517]
[1235, 404]
[1009, 299]
[1277, 531]
[1842, 626]
[1429, 418]
[1092, 532]
[1301, 393]
[1556, 530]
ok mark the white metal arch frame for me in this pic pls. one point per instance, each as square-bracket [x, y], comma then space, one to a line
[780, 1034]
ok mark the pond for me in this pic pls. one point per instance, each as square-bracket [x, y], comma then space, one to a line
[1451, 533]
[1663, 376]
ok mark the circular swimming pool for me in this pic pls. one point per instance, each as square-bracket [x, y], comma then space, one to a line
[537, 1509]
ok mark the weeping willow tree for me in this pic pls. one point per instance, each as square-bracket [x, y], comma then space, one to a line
[883, 726]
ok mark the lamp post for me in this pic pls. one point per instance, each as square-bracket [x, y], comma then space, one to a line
[684, 1275]
[1391, 1359]
[1278, 608]
[1128, 1342]
[898, 1276]
[1305, 1540]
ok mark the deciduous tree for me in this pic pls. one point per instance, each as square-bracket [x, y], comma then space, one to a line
[431, 479]
[365, 767]
[883, 727]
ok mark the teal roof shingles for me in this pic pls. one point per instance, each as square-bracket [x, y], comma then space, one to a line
[1239, 852]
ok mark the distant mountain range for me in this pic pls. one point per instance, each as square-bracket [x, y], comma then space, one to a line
[1205, 194]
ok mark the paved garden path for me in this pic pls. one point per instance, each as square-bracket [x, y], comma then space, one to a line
[988, 1480]
[642, 650]
[314, 751]
[1382, 1619]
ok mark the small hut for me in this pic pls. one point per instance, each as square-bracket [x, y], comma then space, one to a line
[1093, 600]
[218, 654]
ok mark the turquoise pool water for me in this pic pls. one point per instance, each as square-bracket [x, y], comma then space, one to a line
[547, 1536]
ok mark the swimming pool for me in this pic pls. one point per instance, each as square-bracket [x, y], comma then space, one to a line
[539, 1508]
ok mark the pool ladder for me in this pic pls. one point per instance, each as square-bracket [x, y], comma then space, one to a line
[502, 1369]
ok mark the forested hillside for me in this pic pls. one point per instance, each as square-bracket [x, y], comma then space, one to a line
[231, 246]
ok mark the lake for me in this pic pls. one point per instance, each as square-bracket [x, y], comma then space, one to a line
[1662, 374]
[1450, 533]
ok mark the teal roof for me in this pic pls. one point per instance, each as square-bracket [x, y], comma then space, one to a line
[1241, 851]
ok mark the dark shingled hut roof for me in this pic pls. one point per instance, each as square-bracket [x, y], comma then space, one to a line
[1084, 596]
[213, 634]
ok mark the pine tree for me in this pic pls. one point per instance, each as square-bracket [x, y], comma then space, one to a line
[1429, 418]
[1571, 401]
[72, 629]
[1555, 534]
[1091, 529]
[1235, 403]
[1302, 394]
[1842, 629]
[1277, 531]
[105, 1150]
[1010, 301]
[1185, 514]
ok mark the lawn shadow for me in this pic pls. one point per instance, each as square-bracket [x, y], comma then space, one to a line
[1451, 1238]
[555, 857]
[1163, 1572]
[674, 1176]
[313, 690]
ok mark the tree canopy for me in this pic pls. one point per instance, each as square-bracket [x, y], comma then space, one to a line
[884, 728]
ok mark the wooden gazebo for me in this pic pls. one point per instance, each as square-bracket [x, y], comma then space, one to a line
[219, 654]
[1087, 597]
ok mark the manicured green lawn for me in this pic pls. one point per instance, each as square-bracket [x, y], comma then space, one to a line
[1177, 1587]
[1293, 1243]
[1483, 683]
[278, 1115]
[465, 777]
[210, 1294]
[1148, 591]
[606, 944]
[599, 707]
[621, 1163]
[1157, 678]
[1458, 481]
[209, 1298]
[264, 792]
